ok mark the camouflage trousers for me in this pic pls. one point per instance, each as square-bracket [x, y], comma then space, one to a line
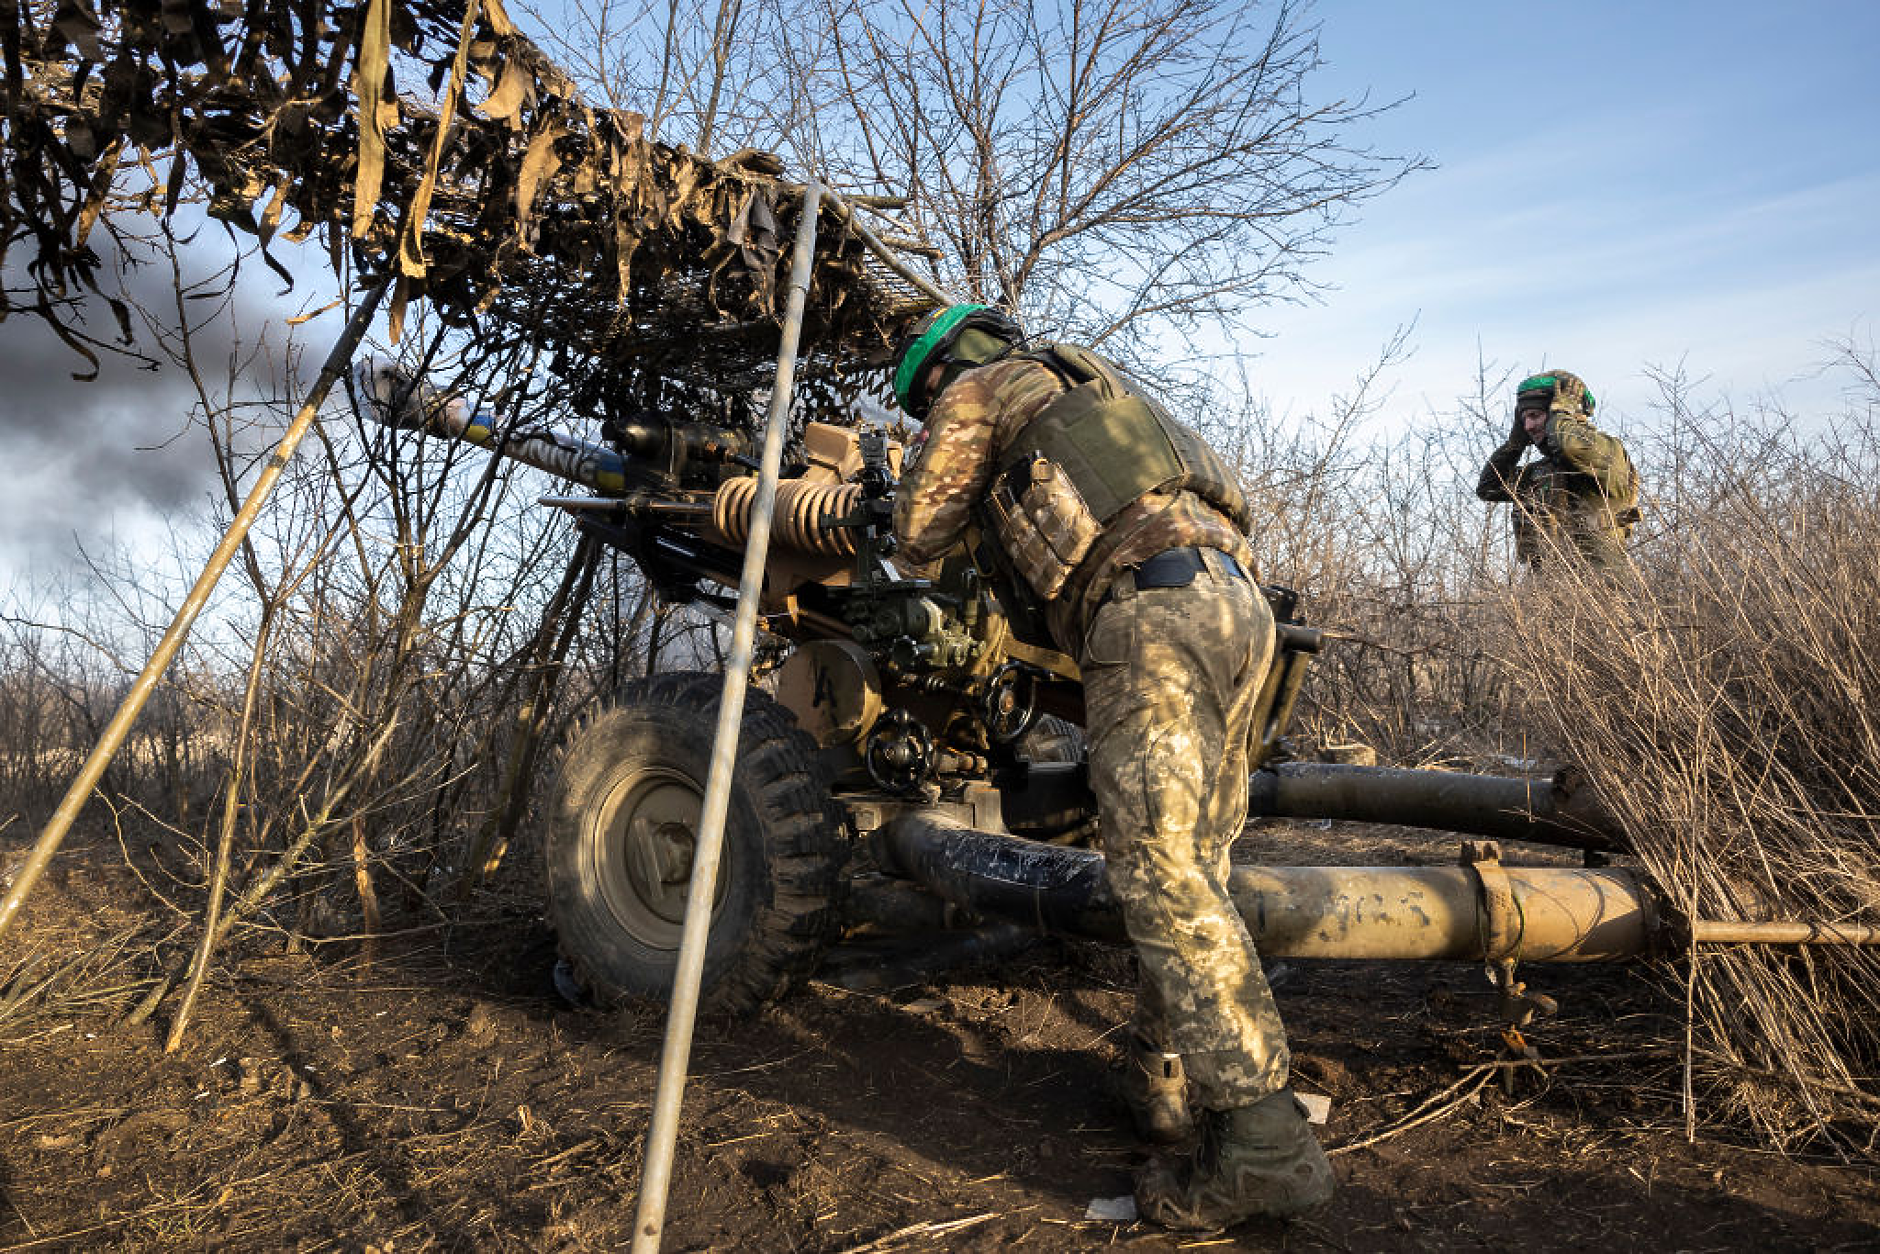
[1170, 679]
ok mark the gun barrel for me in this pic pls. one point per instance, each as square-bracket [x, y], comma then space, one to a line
[399, 401]
[568, 457]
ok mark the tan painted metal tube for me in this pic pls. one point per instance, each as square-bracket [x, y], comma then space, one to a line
[1504, 807]
[1565, 914]
[1561, 914]
[1717, 932]
[1556, 914]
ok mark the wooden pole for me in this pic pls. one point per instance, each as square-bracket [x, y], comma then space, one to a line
[53, 834]
[649, 1219]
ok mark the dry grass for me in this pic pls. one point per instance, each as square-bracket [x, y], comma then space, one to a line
[1723, 695]
[55, 979]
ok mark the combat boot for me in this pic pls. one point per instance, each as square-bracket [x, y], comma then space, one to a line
[1155, 1089]
[1255, 1160]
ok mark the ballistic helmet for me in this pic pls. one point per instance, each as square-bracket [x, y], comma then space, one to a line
[1545, 387]
[967, 335]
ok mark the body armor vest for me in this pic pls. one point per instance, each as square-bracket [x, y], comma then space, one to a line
[1085, 457]
[1596, 512]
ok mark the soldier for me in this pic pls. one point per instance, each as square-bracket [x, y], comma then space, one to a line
[1127, 533]
[1581, 495]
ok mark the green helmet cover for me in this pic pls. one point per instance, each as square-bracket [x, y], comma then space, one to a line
[1547, 383]
[914, 357]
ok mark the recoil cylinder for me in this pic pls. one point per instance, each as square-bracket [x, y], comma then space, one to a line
[799, 522]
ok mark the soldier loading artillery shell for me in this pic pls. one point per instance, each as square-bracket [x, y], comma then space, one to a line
[1128, 534]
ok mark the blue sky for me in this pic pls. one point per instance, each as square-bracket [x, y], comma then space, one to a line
[1618, 186]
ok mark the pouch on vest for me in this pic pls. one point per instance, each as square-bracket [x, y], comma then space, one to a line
[1086, 456]
[1045, 523]
[1116, 444]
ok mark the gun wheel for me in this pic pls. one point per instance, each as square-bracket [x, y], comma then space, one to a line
[623, 822]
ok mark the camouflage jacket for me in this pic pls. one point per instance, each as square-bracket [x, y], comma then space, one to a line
[969, 433]
[1582, 492]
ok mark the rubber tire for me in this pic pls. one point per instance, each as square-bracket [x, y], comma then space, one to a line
[781, 871]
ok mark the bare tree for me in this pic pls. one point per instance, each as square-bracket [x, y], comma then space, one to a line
[1115, 168]
[693, 68]
[1121, 171]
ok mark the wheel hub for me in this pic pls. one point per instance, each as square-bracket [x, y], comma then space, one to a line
[651, 824]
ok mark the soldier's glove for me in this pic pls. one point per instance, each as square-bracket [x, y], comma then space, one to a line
[1570, 394]
[1517, 434]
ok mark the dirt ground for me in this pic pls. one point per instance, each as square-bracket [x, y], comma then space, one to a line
[448, 1097]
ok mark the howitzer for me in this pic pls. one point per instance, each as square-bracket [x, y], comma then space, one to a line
[900, 737]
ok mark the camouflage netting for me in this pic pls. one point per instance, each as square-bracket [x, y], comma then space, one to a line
[636, 268]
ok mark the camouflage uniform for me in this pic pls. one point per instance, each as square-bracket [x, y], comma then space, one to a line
[1580, 495]
[1170, 677]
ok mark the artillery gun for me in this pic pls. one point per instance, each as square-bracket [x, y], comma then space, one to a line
[890, 766]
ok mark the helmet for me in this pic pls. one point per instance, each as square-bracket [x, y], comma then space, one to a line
[1545, 387]
[966, 334]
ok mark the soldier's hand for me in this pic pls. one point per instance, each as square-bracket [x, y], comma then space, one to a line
[1517, 434]
[1570, 394]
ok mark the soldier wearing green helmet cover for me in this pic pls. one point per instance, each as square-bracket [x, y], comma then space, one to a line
[1581, 495]
[1128, 534]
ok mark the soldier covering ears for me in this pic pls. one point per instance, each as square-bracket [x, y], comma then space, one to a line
[1581, 495]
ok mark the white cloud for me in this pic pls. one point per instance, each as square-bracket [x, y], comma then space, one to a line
[1608, 279]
